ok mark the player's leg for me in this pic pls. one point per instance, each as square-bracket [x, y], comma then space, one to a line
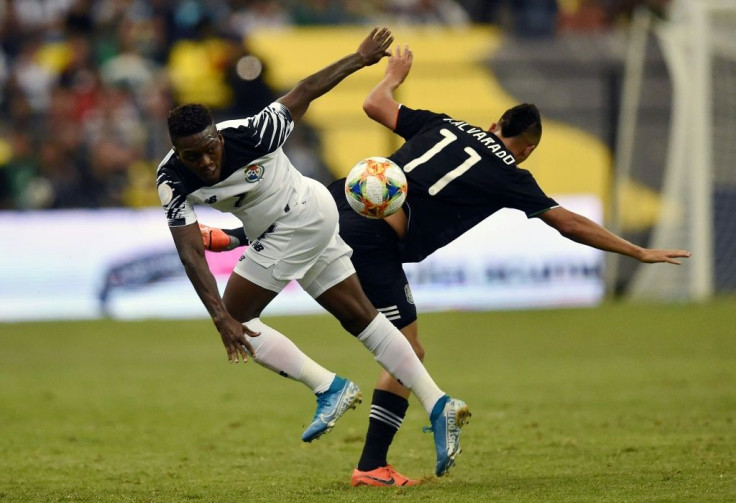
[376, 260]
[245, 300]
[389, 405]
[384, 283]
[332, 282]
[249, 290]
[379, 269]
[348, 303]
[385, 381]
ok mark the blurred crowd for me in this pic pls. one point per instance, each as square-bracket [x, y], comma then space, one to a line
[86, 85]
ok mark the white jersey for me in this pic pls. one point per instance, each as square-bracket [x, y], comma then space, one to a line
[257, 180]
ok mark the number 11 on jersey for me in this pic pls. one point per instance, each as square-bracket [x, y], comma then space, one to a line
[448, 137]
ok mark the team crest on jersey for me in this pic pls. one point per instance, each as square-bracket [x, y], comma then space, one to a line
[253, 173]
[409, 296]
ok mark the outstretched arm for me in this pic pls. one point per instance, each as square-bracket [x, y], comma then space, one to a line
[583, 230]
[381, 105]
[188, 241]
[371, 50]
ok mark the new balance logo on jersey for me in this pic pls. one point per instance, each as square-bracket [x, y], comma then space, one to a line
[253, 173]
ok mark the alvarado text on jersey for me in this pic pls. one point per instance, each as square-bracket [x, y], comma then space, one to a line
[484, 139]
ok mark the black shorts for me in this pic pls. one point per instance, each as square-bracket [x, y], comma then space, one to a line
[377, 261]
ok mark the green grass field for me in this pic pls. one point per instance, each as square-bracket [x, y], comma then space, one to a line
[617, 403]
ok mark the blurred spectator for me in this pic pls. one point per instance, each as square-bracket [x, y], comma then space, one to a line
[23, 19]
[31, 77]
[4, 75]
[534, 18]
[584, 16]
[155, 106]
[523, 18]
[444, 12]
[250, 14]
[198, 67]
[86, 85]
[18, 171]
[320, 12]
[63, 154]
[484, 11]
[133, 65]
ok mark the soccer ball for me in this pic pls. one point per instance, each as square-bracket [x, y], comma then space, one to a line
[376, 187]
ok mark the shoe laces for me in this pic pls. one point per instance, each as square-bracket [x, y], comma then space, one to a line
[392, 473]
[323, 400]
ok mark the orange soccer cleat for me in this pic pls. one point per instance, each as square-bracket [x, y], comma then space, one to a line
[384, 476]
[214, 239]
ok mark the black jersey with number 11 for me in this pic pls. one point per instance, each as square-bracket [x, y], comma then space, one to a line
[458, 175]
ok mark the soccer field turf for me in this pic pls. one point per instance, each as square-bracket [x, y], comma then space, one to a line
[616, 403]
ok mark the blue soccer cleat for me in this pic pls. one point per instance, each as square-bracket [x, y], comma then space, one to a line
[331, 405]
[448, 416]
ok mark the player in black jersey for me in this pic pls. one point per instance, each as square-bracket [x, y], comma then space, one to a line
[458, 175]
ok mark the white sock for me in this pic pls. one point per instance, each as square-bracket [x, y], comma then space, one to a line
[278, 353]
[396, 355]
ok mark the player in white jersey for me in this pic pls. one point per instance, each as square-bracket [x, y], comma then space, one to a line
[239, 167]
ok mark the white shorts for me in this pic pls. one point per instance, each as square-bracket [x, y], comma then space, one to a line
[303, 245]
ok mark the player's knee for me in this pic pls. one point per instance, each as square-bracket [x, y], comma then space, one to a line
[347, 302]
[356, 319]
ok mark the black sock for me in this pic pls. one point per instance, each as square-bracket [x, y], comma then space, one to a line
[387, 413]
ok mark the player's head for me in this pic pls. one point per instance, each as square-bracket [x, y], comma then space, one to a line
[196, 140]
[520, 130]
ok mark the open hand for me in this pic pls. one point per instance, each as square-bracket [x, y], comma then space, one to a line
[651, 256]
[399, 64]
[233, 338]
[375, 46]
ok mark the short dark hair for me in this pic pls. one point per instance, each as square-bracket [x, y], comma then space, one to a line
[189, 119]
[524, 120]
